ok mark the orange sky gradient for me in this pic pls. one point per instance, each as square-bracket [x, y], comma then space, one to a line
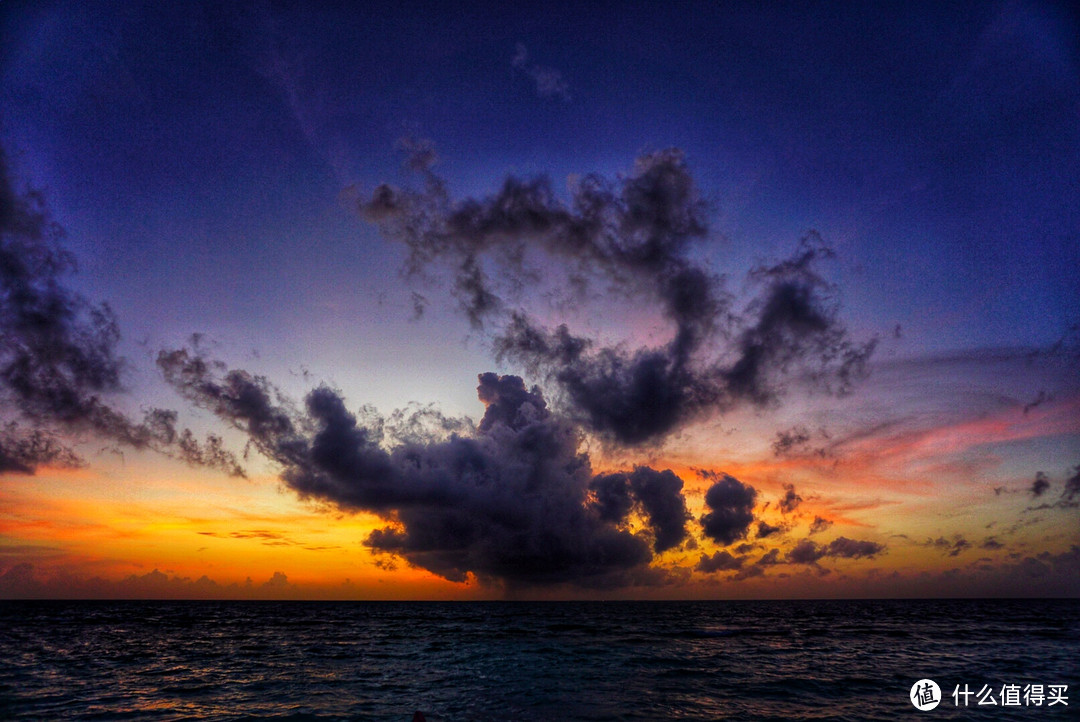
[954, 519]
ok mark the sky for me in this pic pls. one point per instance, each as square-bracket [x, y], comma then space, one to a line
[715, 300]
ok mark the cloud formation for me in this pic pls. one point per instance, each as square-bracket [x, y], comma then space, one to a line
[1067, 500]
[731, 508]
[721, 561]
[512, 500]
[24, 581]
[659, 495]
[58, 357]
[953, 548]
[636, 235]
[808, 552]
[764, 529]
[1040, 485]
[790, 501]
[22, 451]
[791, 440]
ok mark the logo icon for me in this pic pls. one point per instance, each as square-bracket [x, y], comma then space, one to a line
[925, 695]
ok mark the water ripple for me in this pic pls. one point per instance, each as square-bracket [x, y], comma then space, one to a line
[495, 661]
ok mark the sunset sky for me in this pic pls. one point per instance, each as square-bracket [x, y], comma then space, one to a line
[432, 302]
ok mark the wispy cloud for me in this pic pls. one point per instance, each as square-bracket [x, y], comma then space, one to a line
[636, 234]
[549, 82]
[59, 359]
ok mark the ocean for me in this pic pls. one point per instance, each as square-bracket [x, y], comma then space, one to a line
[774, 660]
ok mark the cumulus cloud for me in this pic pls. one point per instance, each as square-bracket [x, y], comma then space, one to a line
[954, 547]
[659, 494]
[819, 524]
[635, 234]
[749, 571]
[731, 508]
[721, 561]
[852, 548]
[805, 552]
[58, 359]
[808, 552]
[512, 500]
[277, 583]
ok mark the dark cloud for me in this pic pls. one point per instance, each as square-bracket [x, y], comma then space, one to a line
[795, 441]
[507, 402]
[991, 544]
[22, 451]
[630, 397]
[790, 440]
[731, 505]
[959, 546]
[794, 324]
[268, 538]
[1072, 486]
[749, 572]
[953, 547]
[819, 525]
[721, 561]
[1040, 485]
[58, 353]
[1067, 500]
[757, 569]
[635, 235]
[22, 581]
[852, 548]
[659, 495]
[769, 558]
[511, 499]
[790, 501]
[58, 359]
[764, 529]
[807, 552]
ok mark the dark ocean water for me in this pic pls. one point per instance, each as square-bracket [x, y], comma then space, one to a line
[529, 661]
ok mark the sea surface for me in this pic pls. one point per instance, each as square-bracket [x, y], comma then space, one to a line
[319, 661]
